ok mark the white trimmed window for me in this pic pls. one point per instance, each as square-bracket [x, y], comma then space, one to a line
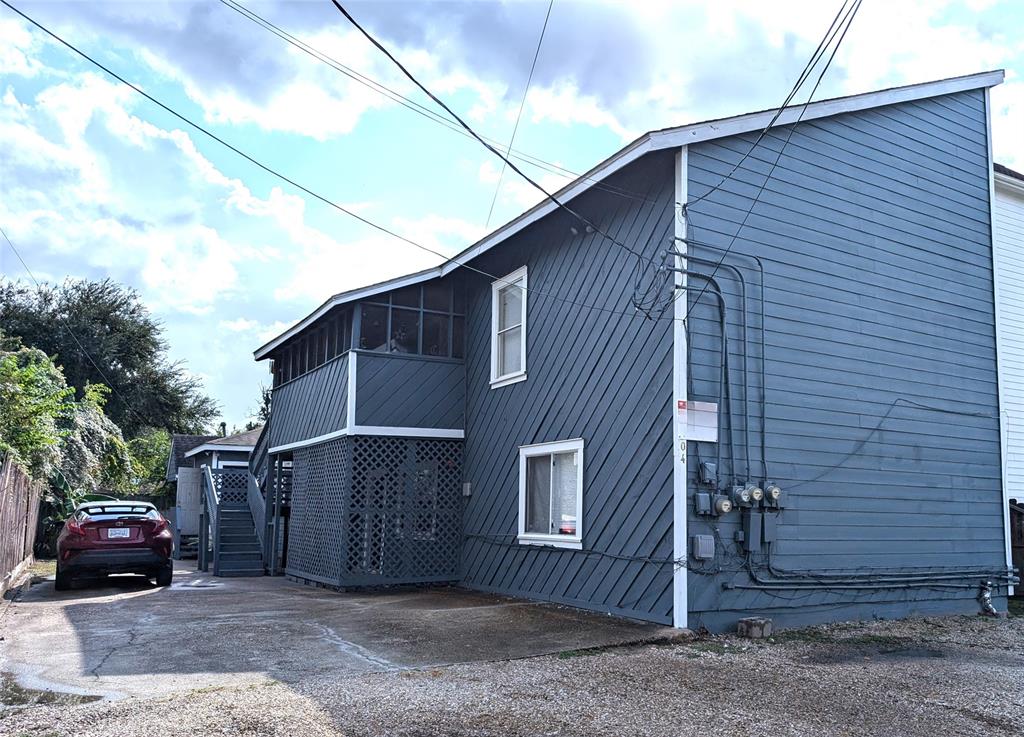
[508, 329]
[551, 494]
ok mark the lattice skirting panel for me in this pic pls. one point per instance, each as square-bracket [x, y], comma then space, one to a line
[372, 510]
[232, 485]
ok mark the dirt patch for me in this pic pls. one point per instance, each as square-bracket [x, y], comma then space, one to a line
[13, 695]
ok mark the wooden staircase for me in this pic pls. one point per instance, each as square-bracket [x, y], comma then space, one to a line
[239, 551]
[227, 533]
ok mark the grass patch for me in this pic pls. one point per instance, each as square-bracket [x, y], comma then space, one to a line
[837, 636]
[43, 569]
[584, 653]
[1016, 606]
[11, 694]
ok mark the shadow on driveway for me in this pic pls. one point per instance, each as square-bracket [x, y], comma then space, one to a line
[125, 636]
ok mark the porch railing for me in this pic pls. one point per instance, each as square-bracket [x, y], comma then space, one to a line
[258, 508]
[209, 529]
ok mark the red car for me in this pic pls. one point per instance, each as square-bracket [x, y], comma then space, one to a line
[114, 537]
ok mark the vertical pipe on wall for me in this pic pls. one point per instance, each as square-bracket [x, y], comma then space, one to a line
[1005, 493]
[679, 397]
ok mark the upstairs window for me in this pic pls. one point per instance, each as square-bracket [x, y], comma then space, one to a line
[551, 494]
[508, 329]
[426, 320]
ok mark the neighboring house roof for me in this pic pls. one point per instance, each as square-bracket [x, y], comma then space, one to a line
[1008, 178]
[665, 138]
[1007, 171]
[180, 445]
[242, 442]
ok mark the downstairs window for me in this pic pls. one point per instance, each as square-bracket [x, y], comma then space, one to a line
[551, 494]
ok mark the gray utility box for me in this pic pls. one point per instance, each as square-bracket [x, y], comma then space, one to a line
[703, 547]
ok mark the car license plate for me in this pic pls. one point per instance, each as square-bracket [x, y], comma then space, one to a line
[118, 532]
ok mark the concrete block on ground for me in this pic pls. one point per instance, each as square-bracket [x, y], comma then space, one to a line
[756, 628]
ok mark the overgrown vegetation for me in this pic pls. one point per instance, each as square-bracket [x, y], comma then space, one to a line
[61, 421]
[126, 351]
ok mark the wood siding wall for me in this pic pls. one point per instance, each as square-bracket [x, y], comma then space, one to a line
[401, 390]
[603, 375]
[874, 230]
[314, 404]
[1008, 217]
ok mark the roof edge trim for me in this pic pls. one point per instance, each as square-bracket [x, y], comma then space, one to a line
[653, 141]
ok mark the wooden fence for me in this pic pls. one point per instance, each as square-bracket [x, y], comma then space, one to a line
[19, 513]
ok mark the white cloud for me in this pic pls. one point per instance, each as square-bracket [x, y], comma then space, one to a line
[239, 325]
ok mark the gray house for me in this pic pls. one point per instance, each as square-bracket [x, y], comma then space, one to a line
[735, 380]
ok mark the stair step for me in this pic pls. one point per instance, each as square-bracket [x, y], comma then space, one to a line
[240, 557]
[241, 547]
[241, 573]
[235, 537]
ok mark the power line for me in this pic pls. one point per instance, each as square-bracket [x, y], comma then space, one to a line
[294, 183]
[585, 221]
[519, 115]
[114, 389]
[845, 24]
[411, 104]
[815, 58]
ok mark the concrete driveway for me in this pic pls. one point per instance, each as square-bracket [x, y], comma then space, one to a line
[126, 637]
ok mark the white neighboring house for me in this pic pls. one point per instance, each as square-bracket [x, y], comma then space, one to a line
[1008, 243]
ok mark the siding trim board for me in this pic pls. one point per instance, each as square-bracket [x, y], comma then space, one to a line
[1001, 305]
[680, 358]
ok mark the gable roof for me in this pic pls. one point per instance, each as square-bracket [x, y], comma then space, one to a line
[242, 442]
[657, 140]
[180, 445]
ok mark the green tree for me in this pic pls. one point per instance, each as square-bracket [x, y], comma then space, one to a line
[126, 343]
[35, 403]
[262, 413]
[149, 454]
[94, 455]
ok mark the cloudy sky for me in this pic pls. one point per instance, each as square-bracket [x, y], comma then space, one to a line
[96, 181]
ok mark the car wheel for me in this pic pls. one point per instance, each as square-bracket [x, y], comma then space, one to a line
[164, 575]
[63, 580]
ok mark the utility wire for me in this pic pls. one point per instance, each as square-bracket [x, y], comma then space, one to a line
[519, 115]
[297, 185]
[826, 40]
[585, 221]
[845, 24]
[128, 405]
[411, 104]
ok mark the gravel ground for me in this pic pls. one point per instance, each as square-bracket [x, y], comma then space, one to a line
[935, 676]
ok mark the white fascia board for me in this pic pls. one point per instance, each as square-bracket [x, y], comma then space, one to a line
[309, 441]
[219, 448]
[688, 134]
[609, 166]
[344, 298]
[670, 138]
[395, 432]
[1010, 185]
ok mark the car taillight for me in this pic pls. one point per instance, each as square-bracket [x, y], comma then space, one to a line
[160, 526]
[75, 527]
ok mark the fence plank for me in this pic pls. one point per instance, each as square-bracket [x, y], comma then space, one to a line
[19, 514]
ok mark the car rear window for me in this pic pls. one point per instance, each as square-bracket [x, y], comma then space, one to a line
[102, 512]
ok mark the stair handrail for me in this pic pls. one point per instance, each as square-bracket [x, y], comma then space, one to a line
[259, 456]
[213, 513]
[257, 507]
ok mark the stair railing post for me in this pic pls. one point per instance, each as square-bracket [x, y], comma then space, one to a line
[204, 535]
[276, 489]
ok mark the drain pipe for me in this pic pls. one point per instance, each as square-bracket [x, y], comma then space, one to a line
[985, 600]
